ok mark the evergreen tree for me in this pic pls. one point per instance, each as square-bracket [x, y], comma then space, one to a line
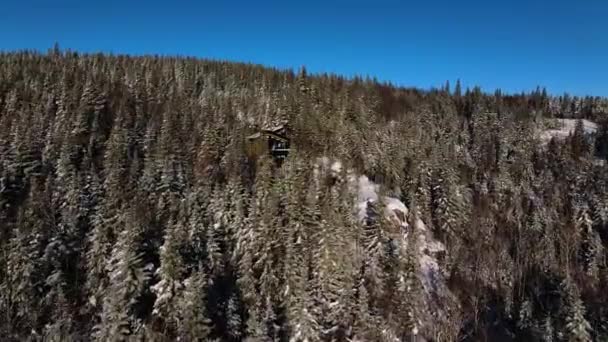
[130, 210]
[193, 322]
[129, 277]
[577, 328]
[169, 288]
[579, 145]
[458, 89]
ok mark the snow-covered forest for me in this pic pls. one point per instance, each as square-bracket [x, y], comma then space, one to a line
[130, 209]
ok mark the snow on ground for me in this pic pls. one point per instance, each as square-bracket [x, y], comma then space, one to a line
[562, 128]
[429, 249]
[431, 274]
[245, 117]
[367, 191]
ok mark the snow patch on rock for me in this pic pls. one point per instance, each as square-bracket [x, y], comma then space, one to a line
[431, 276]
[430, 273]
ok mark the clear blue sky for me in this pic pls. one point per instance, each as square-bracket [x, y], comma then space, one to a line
[512, 44]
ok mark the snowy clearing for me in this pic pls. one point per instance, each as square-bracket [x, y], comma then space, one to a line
[562, 128]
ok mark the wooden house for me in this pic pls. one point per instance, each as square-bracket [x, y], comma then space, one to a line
[273, 141]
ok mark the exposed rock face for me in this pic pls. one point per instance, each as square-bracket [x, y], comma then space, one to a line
[440, 302]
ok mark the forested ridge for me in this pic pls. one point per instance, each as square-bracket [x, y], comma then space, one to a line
[130, 210]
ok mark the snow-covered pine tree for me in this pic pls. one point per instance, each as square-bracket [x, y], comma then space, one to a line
[409, 287]
[448, 202]
[590, 250]
[191, 308]
[577, 328]
[18, 285]
[422, 193]
[234, 317]
[333, 271]
[235, 217]
[170, 274]
[547, 332]
[216, 234]
[297, 293]
[105, 220]
[128, 277]
[579, 147]
[375, 242]
[366, 325]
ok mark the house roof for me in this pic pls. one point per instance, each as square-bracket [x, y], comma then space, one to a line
[276, 128]
[254, 136]
[269, 134]
[276, 132]
[276, 136]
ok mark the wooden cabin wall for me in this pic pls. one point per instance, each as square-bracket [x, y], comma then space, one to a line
[257, 147]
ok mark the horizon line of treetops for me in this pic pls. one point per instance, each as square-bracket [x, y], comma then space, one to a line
[446, 87]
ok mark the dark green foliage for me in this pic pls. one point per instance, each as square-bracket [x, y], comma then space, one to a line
[129, 210]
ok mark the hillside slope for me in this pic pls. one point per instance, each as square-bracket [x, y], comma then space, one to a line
[130, 209]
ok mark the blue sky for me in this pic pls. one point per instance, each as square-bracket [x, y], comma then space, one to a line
[513, 45]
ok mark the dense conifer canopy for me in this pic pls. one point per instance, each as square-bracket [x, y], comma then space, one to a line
[130, 210]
